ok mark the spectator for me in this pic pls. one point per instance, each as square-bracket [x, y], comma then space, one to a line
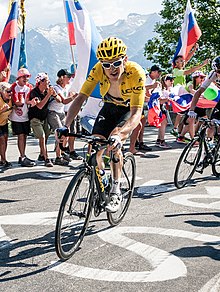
[5, 74]
[56, 114]
[75, 125]
[5, 110]
[41, 94]
[137, 136]
[198, 78]
[167, 85]
[19, 117]
[180, 73]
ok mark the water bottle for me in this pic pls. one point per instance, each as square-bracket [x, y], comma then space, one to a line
[104, 177]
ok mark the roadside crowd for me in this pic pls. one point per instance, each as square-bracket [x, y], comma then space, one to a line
[42, 108]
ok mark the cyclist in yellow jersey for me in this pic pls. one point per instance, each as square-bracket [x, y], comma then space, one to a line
[122, 86]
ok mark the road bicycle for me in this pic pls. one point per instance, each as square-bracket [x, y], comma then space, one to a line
[198, 154]
[86, 193]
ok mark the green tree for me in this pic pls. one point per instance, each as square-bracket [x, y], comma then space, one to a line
[161, 49]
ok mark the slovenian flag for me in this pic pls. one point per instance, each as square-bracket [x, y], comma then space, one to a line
[190, 33]
[87, 39]
[155, 115]
[8, 37]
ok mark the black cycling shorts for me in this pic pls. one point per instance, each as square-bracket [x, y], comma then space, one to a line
[201, 112]
[110, 117]
[216, 112]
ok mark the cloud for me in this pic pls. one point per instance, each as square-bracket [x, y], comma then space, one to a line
[46, 12]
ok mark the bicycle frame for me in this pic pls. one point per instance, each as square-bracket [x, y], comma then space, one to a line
[93, 166]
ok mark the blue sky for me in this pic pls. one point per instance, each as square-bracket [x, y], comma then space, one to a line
[46, 12]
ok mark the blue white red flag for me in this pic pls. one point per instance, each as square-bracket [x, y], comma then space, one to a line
[190, 33]
[8, 37]
[87, 40]
[182, 102]
[70, 24]
[155, 115]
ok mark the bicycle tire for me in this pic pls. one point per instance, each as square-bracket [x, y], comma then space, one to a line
[127, 189]
[74, 214]
[216, 164]
[187, 163]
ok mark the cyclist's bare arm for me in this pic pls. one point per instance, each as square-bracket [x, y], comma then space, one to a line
[75, 108]
[196, 97]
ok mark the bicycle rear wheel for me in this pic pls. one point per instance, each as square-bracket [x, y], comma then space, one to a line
[216, 164]
[187, 163]
[127, 189]
[74, 214]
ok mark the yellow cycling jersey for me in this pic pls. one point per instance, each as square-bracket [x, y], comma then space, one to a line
[132, 87]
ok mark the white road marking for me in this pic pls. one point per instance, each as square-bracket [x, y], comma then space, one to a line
[186, 199]
[213, 285]
[165, 266]
[41, 218]
[5, 241]
[154, 187]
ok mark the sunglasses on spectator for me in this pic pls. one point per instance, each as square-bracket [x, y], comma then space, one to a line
[9, 91]
[115, 64]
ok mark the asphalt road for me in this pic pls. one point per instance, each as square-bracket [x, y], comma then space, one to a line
[168, 241]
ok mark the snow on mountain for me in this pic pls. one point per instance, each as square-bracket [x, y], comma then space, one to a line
[48, 49]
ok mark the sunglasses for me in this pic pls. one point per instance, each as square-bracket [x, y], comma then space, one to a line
[115, 64]
[8, 91]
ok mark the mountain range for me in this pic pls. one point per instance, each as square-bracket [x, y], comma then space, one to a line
[48, 49]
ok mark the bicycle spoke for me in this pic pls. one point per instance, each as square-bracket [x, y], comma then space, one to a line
[126, 187]
[186, 164]
[74, 215]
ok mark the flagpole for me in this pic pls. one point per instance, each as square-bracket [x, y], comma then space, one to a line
[70, 27]
[73, 58]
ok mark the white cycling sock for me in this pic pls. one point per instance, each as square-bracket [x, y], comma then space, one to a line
[115, 187]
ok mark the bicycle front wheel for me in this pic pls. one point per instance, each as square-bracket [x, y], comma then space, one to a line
[74, 214]
[216, 164]
[127, 189]
[187, 163]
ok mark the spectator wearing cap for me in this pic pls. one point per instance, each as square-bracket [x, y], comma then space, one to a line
[41, 94]
[19, 117]
[75, 126]
[137, 136]
[167, 82]
[152, 80]
[5, 110]
[56, 114]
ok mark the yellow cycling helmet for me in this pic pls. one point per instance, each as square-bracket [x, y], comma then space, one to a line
[111, 48]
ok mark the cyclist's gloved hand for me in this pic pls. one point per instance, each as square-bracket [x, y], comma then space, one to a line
[61, 132]
[192, 114]
[115, 141]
